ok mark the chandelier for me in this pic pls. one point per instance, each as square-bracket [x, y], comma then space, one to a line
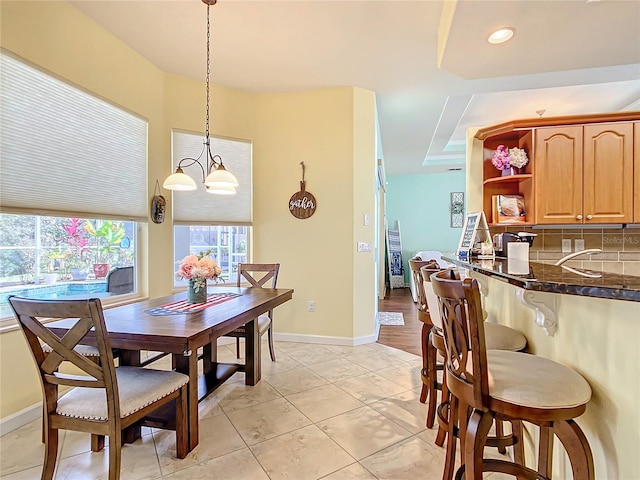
[216, 178]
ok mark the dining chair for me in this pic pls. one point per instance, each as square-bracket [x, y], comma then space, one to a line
[518, 387]
[120, 280]
[258, 275]
[105, 399]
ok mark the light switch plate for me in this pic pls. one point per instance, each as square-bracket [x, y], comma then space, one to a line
[579, 244]
[566, 245]
[364, 247]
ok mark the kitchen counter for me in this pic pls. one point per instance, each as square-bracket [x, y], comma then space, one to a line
[553, 279]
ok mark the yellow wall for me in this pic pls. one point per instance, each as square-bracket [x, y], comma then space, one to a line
[332, 131]
[598, 338]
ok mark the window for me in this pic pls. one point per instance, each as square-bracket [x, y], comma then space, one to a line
[65, 203]
[220, 223]
[228, 245]
[54, 257]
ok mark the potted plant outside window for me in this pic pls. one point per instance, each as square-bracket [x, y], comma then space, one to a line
[106, 236]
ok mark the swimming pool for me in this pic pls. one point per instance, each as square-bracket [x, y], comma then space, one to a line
[82, 289]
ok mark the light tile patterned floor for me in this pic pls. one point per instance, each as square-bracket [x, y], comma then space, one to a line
[320, 411]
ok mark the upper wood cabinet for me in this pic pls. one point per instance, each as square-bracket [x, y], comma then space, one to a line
[583, 169]
[584, 174]
[558, 175]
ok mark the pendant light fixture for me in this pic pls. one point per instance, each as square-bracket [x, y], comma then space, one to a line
[216, 178]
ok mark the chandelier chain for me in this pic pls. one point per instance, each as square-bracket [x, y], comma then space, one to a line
[208, 74]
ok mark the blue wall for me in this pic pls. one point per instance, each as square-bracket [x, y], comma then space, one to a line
[421, 204]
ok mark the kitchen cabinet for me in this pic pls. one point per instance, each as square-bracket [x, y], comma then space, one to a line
[583, 174]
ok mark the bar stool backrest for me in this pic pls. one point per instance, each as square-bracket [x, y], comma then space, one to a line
[416, 264]
[460, 310]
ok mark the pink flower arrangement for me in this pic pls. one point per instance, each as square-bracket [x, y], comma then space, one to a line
[501, 158]
[199, 268]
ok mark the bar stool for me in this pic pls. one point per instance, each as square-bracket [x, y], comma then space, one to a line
[498, 337]
[507, 385]
[428, 374]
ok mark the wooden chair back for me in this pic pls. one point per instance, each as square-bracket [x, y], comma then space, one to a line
[460, 310]
[89, 320]
[415, 264]
[262, 275]
[430, 296]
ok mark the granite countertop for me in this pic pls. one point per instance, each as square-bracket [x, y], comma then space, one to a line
[567, 280]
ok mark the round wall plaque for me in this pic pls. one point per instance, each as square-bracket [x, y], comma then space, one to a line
[302, 204]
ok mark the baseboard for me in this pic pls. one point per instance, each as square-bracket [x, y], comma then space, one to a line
[21, 418]
[326, 339]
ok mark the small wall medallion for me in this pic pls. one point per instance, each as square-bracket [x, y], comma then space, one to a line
[302, 204]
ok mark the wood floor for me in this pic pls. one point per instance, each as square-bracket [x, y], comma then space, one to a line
[405, 337]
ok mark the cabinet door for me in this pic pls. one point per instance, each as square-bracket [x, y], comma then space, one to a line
[636, 173]
[558, 175]
[608, 173]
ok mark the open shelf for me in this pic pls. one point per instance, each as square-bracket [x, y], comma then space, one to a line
[508, 179]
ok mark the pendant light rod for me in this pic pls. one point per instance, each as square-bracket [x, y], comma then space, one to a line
[215, 176]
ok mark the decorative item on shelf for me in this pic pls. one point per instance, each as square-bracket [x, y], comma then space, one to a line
[216, 178]
[508, 209]
[198, 269]
[158, 205]
[509, 160]
[302, 204]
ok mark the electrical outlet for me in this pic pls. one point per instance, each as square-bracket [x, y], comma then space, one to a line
[579, 244]
[311, 306]
[566, 245]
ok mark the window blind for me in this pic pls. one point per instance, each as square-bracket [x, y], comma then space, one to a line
[197, 207]
[65, 152]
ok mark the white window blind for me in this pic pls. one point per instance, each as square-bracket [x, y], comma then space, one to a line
[65, 152]
[197, 207]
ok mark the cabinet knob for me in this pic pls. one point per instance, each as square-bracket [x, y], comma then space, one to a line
[589, 217]
[578, 217]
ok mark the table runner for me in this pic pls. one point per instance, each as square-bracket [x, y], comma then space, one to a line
[181, 306]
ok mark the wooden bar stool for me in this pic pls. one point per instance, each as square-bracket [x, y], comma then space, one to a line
[498, 337]
[498, 384]
[428, 374]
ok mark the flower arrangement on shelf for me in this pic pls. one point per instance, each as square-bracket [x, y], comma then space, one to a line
[504, 157]
[198, 269]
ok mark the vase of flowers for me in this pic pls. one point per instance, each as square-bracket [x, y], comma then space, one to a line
[198, 269]
[509, 160]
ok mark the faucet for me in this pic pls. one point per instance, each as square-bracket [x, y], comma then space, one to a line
[575, 254]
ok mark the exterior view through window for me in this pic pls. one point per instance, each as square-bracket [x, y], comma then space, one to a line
[52, 257]
[228, 245]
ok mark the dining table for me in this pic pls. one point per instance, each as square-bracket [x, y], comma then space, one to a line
[191, 337]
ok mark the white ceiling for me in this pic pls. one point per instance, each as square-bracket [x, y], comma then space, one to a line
[567, 57]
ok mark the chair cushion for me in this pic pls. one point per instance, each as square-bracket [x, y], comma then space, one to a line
[137, 388]
[263, 323]
[501, 337]
[532, 381]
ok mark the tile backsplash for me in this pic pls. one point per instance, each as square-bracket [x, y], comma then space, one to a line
[620, 247]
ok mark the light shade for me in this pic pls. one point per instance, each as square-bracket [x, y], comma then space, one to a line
[179, 181]
[501, 35]
[220, 177]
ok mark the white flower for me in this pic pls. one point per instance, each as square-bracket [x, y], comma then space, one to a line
[518, 157]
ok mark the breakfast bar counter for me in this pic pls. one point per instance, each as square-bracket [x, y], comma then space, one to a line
[563, 279]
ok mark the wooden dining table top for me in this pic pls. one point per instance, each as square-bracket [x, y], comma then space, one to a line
[131, 327]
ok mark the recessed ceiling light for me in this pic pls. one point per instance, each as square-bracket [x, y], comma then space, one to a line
[501, 35]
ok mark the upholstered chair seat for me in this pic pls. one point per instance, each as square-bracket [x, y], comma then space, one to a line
[501, 337]
[137, 388]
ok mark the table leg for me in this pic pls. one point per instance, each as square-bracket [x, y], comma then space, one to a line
[188, 364]
[252, 357]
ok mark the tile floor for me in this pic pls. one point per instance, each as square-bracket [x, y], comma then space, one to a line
[320, 412]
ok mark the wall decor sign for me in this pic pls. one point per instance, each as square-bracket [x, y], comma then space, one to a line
[158, 205]
[302, 204]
